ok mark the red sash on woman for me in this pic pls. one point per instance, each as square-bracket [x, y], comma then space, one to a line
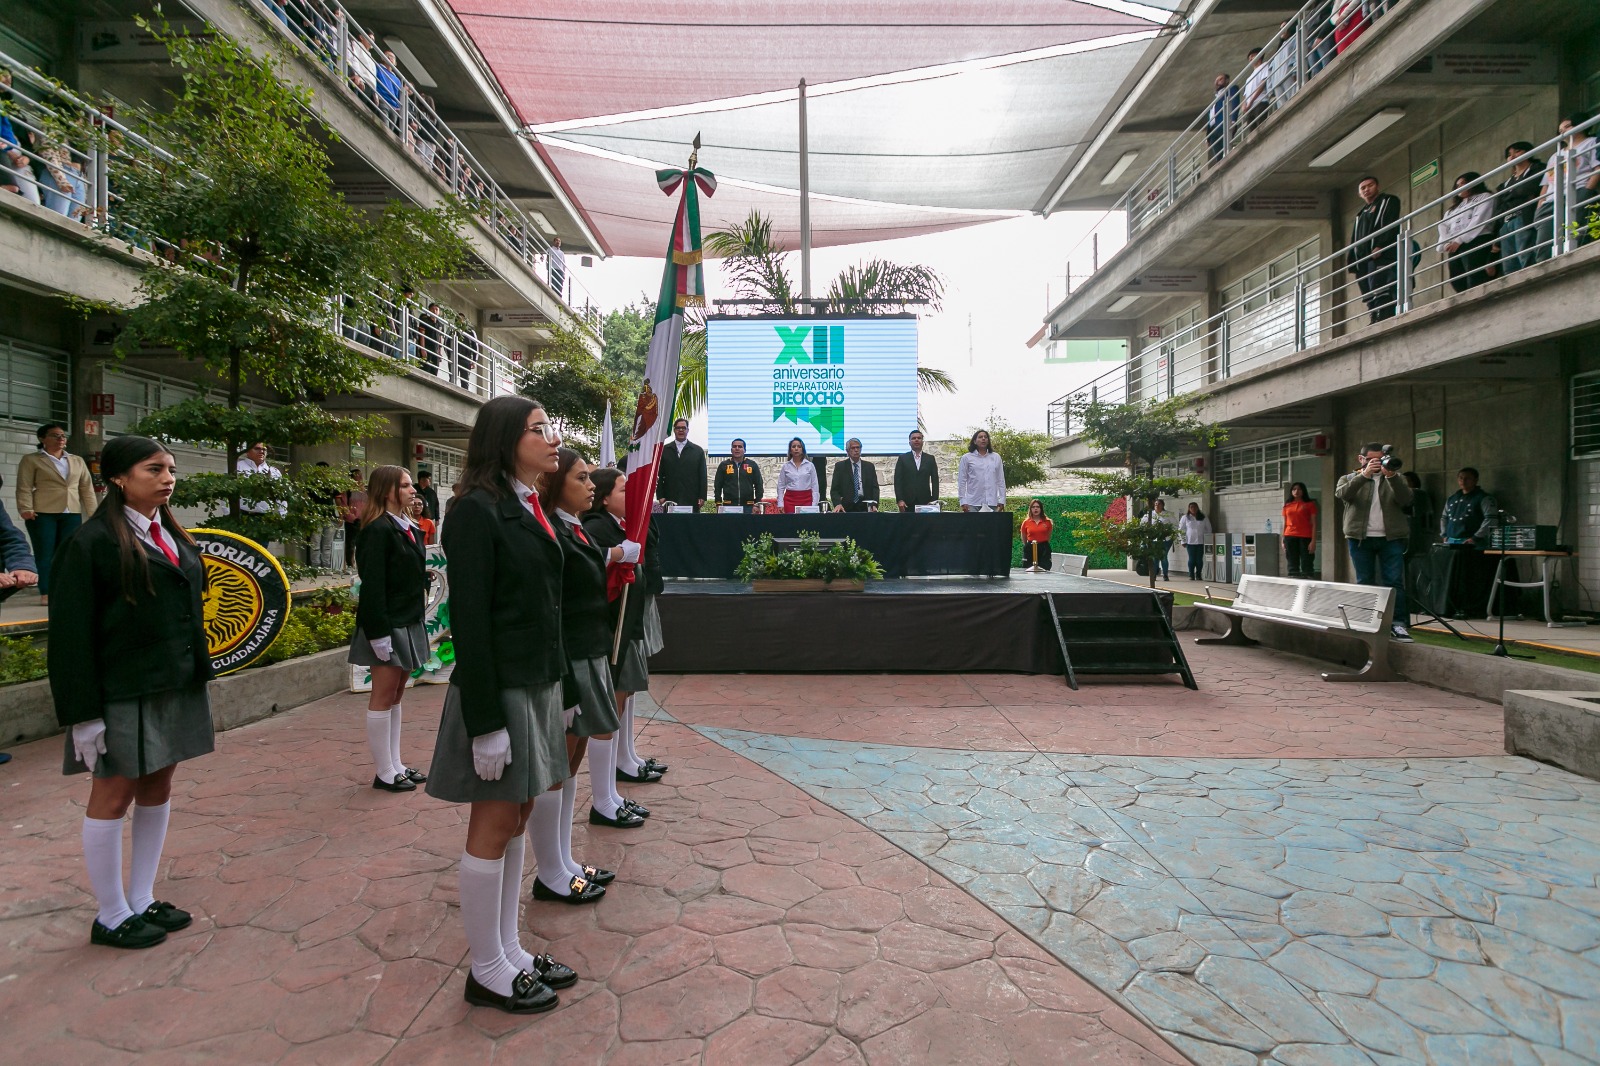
[793, 498]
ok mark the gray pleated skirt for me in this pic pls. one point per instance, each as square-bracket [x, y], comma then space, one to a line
[409, 648]
[538, 749]
[150, 733]
[653, 640]
[631, 674]
[597, 700]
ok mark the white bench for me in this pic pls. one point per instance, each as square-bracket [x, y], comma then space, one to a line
[1363, 612]
[1076, 565]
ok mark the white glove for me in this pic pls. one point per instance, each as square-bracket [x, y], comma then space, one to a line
[89, 741]
[383, 647]
[491, 754]
[630, 551]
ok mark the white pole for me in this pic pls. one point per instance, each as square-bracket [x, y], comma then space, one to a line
[805, 208]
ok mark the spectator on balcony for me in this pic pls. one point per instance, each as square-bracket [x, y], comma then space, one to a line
[1255, 89]
[430, 335]
[1373, 256]
[469, 354]
[1466, 233]
[1514, 203]
[390, 90]
[362, 67]
[558, 267]
[1319, 36]
[1576, 158]
[16, 169]
[1349, 22]
[1283, 81]
[1222, 117]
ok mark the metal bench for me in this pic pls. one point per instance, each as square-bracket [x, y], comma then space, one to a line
[1076, 565]
[1362, 612]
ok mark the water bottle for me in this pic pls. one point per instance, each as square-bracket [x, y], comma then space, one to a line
[1269, 525]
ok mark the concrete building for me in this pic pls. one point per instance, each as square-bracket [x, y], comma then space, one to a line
[432, 125]
[1224, 260]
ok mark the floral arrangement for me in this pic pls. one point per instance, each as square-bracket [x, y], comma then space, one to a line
[845, 560]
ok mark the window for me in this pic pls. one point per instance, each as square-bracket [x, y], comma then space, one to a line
[1260, 309]
[139, 394]
[1168, 365]
[36, 384]
[1261, 463]
[1585, 415]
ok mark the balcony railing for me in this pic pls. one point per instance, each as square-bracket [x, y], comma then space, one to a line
[334, 38]
[1419, 258]
[81, 152]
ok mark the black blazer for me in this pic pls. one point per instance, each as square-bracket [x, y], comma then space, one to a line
[682, 479]
[915, 485]
[585, 614]
[103, 648]
[394, 578]
[844, 485]
[505, 604]
[605, 532]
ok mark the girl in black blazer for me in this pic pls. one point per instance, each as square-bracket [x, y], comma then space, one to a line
[390, 637]
[128, 670]
[501, 738]
[630, 673]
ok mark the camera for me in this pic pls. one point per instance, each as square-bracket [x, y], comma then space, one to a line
[1390, 461]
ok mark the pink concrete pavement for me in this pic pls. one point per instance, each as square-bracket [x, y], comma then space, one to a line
[749, 923]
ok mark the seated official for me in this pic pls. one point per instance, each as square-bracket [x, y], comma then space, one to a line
[797, 480]
[1036, 530]
[855, 482]
[916, 476]
[738, 480]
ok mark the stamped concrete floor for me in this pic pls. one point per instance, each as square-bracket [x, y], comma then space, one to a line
[966, 869]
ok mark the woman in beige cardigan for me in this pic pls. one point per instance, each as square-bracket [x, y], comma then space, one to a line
[54, 494]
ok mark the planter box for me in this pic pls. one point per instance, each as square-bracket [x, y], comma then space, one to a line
[28, 713]
[806, 584]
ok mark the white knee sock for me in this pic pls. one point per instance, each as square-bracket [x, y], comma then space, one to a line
[394, 739]
[378, 741]
[149, 835]
[545, 828]
[102, 854]
[603, 775]
[569, 799]
[511, 905]
[481, 885]
[628, 760]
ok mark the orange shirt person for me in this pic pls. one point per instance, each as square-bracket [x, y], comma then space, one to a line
[1300, 531]
[1036, 530]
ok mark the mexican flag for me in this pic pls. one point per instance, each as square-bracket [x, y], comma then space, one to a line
[682, 285]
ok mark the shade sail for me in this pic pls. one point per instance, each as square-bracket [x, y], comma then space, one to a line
[923, 116]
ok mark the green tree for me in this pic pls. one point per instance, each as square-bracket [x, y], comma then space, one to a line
[1141, 435]
[625, 336]
[1025, 453]
[575, 387]
[757, 268]
[263, 250]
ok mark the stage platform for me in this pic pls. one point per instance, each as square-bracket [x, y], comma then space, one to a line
[921, 625]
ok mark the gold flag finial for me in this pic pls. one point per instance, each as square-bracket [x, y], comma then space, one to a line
[694, 154]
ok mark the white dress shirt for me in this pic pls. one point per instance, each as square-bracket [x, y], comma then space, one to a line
[981, 480]
[248, 465]
[63, 465]
[141, 531]
[802, 478]
[523, 492]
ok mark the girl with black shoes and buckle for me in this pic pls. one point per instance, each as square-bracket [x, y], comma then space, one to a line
[586, 638]
[129, 665]
[390, 639]
[501, 739]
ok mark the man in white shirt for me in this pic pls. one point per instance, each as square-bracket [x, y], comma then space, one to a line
[1579, 158]
[981, 476]
[1255, 90]
[254, 461]
[916, 476]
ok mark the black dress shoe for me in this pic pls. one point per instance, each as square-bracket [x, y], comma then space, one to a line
[416, 777]
[166, 916]
[529, 995]
[645, 776]
[599, 876]
[582, 892]
[134, 932]
[625, 819]
[658, 767]
[637, 808]
[401, 783]
[554, 973]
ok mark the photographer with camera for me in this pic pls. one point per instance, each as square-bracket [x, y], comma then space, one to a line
[1377, 527]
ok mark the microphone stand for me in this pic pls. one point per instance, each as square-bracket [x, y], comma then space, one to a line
[1500, 648]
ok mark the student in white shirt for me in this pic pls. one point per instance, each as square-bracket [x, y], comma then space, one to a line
[1466, 233]
[1195, 528]
[797, 480]
[981, 476]
[254, 461]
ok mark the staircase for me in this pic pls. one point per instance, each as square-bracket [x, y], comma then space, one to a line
[1117, 639]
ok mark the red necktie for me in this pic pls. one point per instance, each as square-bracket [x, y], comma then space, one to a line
[411, 535]
[538, 512]
[160, 542]
[577, 531]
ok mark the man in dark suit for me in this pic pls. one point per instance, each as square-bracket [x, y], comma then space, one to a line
[916, 476]
[683, 469]
[738, 480]
[1374, 256]
[1222, 118]
[854, 481]
[429, 494]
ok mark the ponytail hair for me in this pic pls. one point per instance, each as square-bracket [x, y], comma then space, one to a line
[120, 455]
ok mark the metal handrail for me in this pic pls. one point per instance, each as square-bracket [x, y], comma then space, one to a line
[1303, 309]
[80, 184]
[333, 37]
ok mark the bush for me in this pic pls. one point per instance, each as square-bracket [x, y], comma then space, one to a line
[308, 631]
[1072, 515]
[846, 560]
[20, 661]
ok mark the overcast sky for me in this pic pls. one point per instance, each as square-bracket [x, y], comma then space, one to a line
[996, 278]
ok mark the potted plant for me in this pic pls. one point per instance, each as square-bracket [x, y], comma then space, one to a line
[844, 566]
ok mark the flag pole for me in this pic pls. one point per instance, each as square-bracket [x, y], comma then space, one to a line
[805, 207]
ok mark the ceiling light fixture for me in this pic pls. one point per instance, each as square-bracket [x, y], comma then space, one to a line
[1118, 167]
[1363, 133]
[1123, 303]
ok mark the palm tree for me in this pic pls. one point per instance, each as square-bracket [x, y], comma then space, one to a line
[758, 270]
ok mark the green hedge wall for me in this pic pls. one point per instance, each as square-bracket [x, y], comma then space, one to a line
[1068, 513]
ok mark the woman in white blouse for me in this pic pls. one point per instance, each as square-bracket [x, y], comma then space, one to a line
[797, 480]
[980, 476]
[1466, 233]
